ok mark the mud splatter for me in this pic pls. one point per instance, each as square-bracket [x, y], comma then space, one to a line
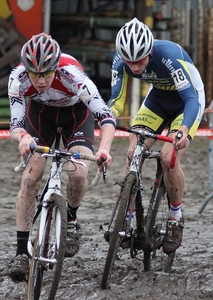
[192, 274]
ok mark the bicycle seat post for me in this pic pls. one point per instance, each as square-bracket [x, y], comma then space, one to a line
[58, 137]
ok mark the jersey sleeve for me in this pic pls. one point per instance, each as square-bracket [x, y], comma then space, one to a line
[91, 97]
[187, 82]
[119, 81]
[17, 103]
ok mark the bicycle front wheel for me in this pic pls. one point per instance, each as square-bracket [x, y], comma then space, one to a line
[115, 239]
[49, 250]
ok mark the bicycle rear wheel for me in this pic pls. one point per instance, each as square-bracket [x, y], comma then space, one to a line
[156, 228]
[151, 223]
[115, 238]
[49, 254]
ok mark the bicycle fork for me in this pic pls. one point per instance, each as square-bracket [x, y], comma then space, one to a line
[134, 218]
[53, 186]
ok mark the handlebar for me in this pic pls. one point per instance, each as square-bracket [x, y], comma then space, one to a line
[147, 134]
[76, 155]
[174, 154]
[47, 151]
[98, 174]
[50, 152]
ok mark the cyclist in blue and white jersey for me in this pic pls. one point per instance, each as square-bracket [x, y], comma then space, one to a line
[175, 100]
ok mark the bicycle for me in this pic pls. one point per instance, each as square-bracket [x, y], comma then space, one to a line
[47, 242]
[129, 226]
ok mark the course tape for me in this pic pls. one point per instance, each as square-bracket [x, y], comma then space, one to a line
[200, 132]
[118, 133]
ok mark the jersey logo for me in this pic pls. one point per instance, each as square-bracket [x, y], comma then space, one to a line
[147, 76]
[168, 64]
[78, 133]
[114, 77]
[14, 100]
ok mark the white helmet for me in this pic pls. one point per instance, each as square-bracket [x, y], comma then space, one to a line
[134, 41]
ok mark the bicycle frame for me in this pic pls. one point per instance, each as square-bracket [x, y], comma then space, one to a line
[129, 226]
[135, 166]
[50, 241]
[52, 186]
[139, 155]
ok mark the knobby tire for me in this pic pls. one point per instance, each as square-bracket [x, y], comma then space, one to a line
[115, 238]
[36, 272]
[150, 223]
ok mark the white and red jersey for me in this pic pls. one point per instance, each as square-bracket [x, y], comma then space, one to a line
[70, 86]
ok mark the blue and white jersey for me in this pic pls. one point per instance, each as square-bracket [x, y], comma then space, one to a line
[170, 69]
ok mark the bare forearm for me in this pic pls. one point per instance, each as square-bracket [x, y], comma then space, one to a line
[107, 137]
[108, 132]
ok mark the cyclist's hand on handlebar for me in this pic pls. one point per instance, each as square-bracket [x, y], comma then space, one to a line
[24, 145]
[181, 138]
[103, 159]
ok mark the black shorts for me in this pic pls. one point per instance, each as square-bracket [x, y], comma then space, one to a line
[77, 124]
[159, 110]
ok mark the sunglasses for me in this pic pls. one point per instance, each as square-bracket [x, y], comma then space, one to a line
[44, 74]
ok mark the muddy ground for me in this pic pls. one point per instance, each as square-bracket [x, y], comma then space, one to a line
[192, 273]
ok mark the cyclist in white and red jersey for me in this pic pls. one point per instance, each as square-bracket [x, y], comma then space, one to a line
[175, 100]
[60, 95]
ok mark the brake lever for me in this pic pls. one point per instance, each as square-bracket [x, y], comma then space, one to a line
[177, 138]
[25, 162]
[103, 158]
[104, 174]
[75, 161]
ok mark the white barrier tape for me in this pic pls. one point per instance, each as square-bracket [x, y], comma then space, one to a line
[118, 133]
